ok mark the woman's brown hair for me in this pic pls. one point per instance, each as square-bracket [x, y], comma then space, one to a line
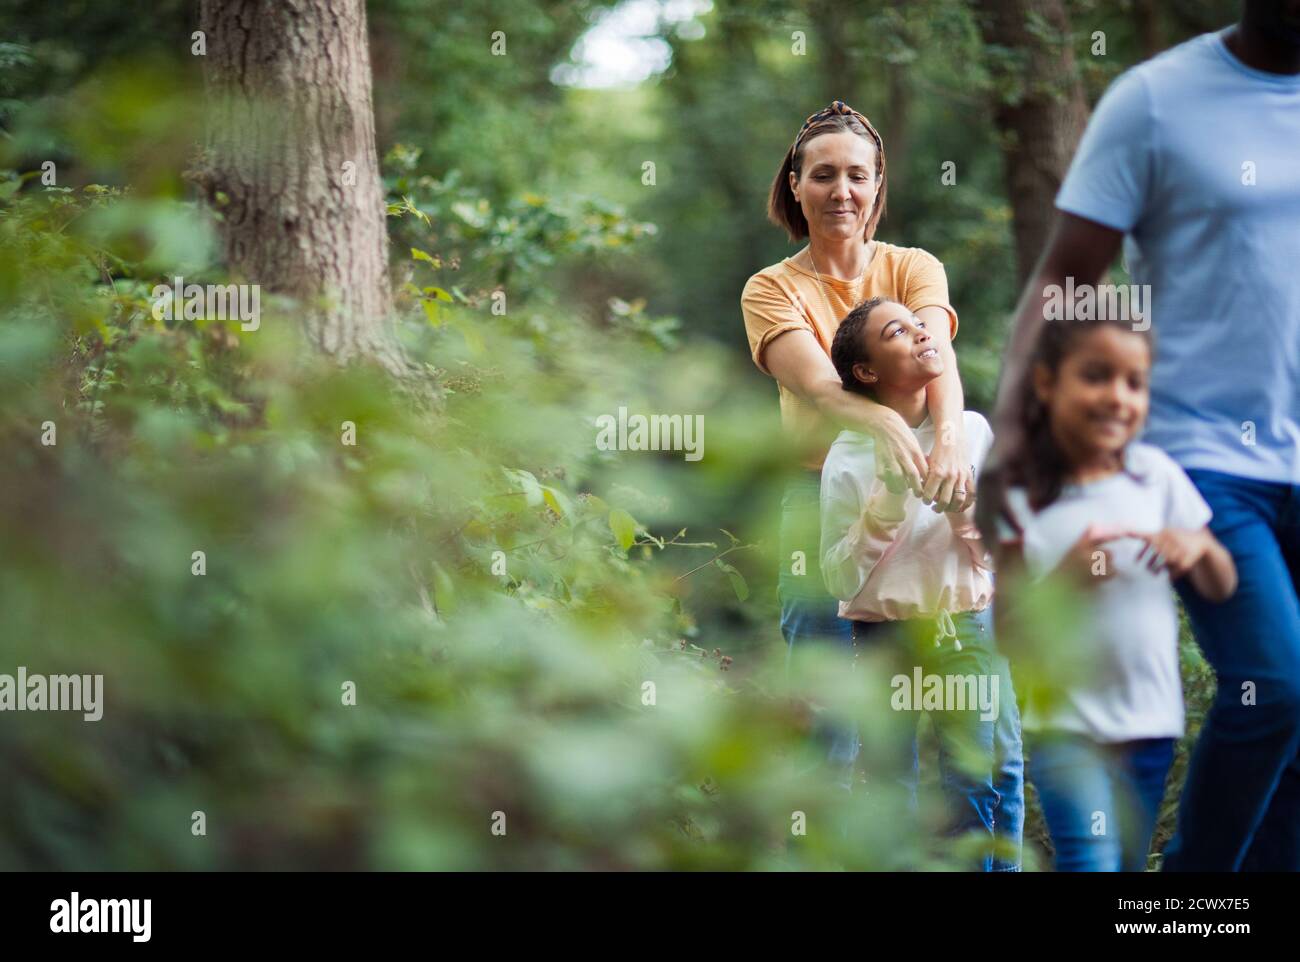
[782, 209]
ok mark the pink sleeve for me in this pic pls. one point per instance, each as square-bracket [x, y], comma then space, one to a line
[963, 526]
[853, 541]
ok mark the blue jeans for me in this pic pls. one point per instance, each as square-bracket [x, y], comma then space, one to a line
[988, 795]
[1240, 808]
[809, 615]
[1100, 802]
[993, 802]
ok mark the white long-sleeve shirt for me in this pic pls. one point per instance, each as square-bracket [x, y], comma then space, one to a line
[890, 557]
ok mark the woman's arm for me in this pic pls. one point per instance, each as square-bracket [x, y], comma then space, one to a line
[948, 470]
[801, 366]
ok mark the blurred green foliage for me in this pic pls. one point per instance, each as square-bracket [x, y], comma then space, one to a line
[485, 682]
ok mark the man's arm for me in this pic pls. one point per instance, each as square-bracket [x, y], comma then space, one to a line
[1077, 248]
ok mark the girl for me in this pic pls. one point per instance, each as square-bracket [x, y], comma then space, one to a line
[906, 570]
[1113, 520]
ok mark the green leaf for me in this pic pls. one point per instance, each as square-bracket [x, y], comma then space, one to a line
[738, 583]
[419, 255]
[474, 215]
[527, 483]
[444, 587]
[473, 340]
[557, 501]
[623, 525]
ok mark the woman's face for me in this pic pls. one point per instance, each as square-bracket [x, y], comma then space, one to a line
[837, 189]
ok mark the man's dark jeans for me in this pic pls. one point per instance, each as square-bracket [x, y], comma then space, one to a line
[1240, 806]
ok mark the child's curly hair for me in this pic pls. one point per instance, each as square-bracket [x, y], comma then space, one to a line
[849, 346]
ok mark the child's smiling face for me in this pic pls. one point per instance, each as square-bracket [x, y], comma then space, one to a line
[1097, 400]
[901, 354]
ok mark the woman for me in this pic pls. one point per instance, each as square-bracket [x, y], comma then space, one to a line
[830, 189]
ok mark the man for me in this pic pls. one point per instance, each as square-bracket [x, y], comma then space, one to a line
[1192, 160]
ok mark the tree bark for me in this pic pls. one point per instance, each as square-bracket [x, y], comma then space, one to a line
[1149, 28]
[839, 68]
[897, 132]
[291, 168]
[1039, 109]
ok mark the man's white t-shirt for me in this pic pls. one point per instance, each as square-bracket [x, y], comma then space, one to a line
[1131, 687]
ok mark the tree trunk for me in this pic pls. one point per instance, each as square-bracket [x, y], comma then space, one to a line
[291, 166]
[840, 78]
[1039, 109]
[897, 133]
[1149, 29]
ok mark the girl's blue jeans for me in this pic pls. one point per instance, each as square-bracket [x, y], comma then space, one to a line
[1100, 802]
[988, 798]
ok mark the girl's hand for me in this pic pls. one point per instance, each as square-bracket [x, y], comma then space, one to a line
[1174, 549]
[900, 462]
[1087, 562]
[950, 478]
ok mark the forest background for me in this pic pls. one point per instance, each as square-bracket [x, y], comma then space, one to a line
[364, 589]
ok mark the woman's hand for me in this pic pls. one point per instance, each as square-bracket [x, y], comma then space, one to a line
[950, 480]
[900, 462]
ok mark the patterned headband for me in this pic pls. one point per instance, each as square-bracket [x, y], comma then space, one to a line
[836, 107]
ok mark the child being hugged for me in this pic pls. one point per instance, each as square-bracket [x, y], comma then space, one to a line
[911, 575]
[1115, 520]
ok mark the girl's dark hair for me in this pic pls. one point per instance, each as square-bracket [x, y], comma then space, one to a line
[784, 211]
[850, 347]
[1040, 466]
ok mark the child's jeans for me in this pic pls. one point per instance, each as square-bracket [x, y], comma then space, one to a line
[1100, 801]
[809, 617]
[965, 686]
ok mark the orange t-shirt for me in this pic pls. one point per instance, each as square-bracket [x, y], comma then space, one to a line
[785, 297]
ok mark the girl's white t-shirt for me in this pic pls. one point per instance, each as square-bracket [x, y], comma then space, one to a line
[1130, 686]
